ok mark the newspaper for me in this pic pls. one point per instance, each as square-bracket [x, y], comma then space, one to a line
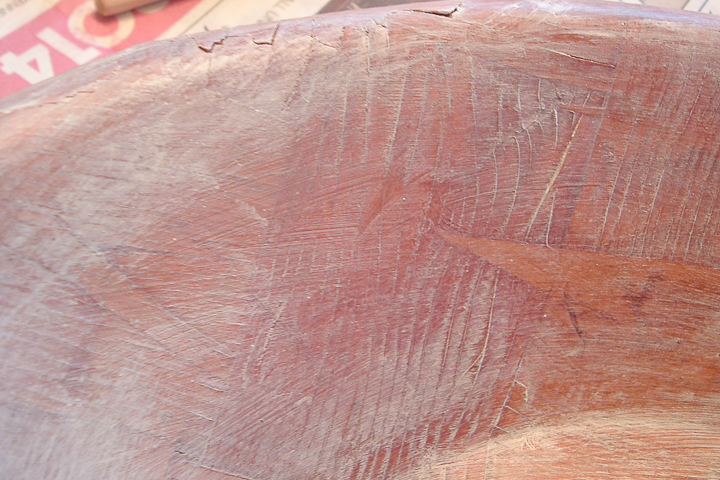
[42, 38]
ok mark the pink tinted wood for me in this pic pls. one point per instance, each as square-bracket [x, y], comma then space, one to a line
[432, 241]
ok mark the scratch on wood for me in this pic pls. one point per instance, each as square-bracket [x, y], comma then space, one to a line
[480, 359]
[223, 472]
[572, 316]
[209, 48]
[507, 397]
[437, 12]
[269, 41]
[554, 177]
[582, 59]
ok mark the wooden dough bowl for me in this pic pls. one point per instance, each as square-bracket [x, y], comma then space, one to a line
[435, 241]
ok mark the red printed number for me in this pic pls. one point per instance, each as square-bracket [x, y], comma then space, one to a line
[22, 64]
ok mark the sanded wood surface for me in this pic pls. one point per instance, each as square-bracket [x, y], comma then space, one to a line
[435, 241]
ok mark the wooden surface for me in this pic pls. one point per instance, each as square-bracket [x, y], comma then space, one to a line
[440, 241]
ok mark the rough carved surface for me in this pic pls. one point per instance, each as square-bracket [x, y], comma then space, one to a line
[438, 241]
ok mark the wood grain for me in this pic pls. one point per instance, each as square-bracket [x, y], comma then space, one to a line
[439, 241]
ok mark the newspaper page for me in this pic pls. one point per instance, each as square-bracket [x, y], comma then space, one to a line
[42, 38]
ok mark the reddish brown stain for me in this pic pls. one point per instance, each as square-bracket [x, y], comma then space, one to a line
[612, 285]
